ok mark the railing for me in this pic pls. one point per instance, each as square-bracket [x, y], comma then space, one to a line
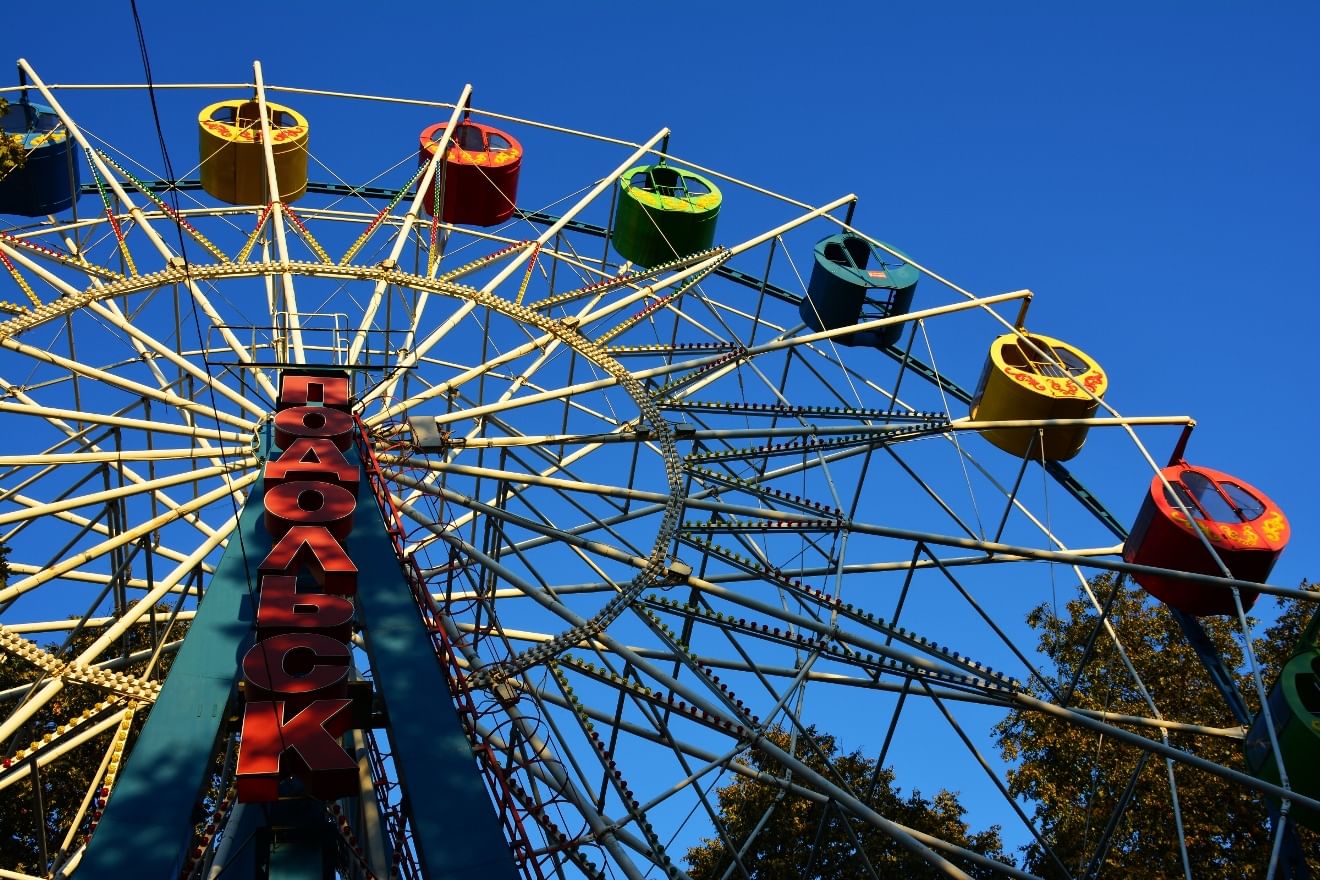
[508, 807]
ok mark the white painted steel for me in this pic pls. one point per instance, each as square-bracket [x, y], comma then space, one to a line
[641, 500]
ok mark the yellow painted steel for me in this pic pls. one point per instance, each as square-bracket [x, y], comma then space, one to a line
[164, 207]
[233, 159]
[1018, 383]
[20, 281]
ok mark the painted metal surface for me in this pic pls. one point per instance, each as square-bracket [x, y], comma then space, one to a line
[1247, 530]
[764, 284]
[48, 180]
[454, 824]
[232, 155]
[1295, 710]
[295, 678]
[148, 822]
[845, 283]
[663, 213]
[479, 177]
[1038, 377]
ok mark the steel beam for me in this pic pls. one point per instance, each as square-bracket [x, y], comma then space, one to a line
[148, 823]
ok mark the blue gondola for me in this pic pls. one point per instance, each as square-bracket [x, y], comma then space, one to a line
[48, 181]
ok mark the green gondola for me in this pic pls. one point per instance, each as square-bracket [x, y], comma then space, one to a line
[664, 213]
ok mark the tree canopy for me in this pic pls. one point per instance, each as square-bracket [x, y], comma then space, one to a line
[1076, 777]
[806, 840]
[61, 786]
[10, 155]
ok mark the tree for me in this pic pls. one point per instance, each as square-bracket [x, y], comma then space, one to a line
[11, 155]
[793, 844]
[63, 784]
[1077, 777]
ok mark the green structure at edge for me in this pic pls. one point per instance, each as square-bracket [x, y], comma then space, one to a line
[1295, 709]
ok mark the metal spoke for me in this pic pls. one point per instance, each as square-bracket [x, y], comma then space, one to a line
[666, 528]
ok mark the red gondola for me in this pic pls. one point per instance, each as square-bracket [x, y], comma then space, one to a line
[480, 173]
[1247, 530]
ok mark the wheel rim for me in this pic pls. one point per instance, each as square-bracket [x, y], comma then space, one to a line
[678, 495]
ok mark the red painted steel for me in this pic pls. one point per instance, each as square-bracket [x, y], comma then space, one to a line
[314, 549]
[480, 182]
[296, 390]
[283, 609]
[313, 421]
[295, 676]
[277, 740]
[511, 812]
[309, 502]
[312, 458]
[296, 667]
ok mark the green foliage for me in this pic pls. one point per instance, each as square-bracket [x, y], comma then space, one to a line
[1076, 777]
[794, 845]
[11, 156]
[65, 782]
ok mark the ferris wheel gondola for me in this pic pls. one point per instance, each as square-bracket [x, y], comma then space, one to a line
[618, 497]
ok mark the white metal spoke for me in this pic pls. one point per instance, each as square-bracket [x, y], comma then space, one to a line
[277, 220]
[55, 413]
[513, 265]
[99, 528]
[665, 536]
[123, 538]
[410, 218]
[110, 457]
[112, 314]
[130, 489]
[164, 397]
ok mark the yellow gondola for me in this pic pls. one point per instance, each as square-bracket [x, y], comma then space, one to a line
[1038, 377]
[233, 157]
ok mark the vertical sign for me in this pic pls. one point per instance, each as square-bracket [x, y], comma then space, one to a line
[282, 625]
[295, 678]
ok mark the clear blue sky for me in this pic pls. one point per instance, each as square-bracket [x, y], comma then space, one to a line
[1152, 176]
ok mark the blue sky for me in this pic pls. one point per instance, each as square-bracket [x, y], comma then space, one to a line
[1150, 175]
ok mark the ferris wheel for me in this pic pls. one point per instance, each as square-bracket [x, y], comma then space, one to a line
[632, 469]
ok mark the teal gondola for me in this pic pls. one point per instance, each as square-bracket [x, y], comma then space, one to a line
[847, 288]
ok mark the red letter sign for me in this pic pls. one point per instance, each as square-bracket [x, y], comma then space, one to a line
[302, 502]
[298, 665]
[331, 391]
[315, 549]
[269, 732]
[312, 458]
[297, 673]
[313, 421]
[282, 609]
